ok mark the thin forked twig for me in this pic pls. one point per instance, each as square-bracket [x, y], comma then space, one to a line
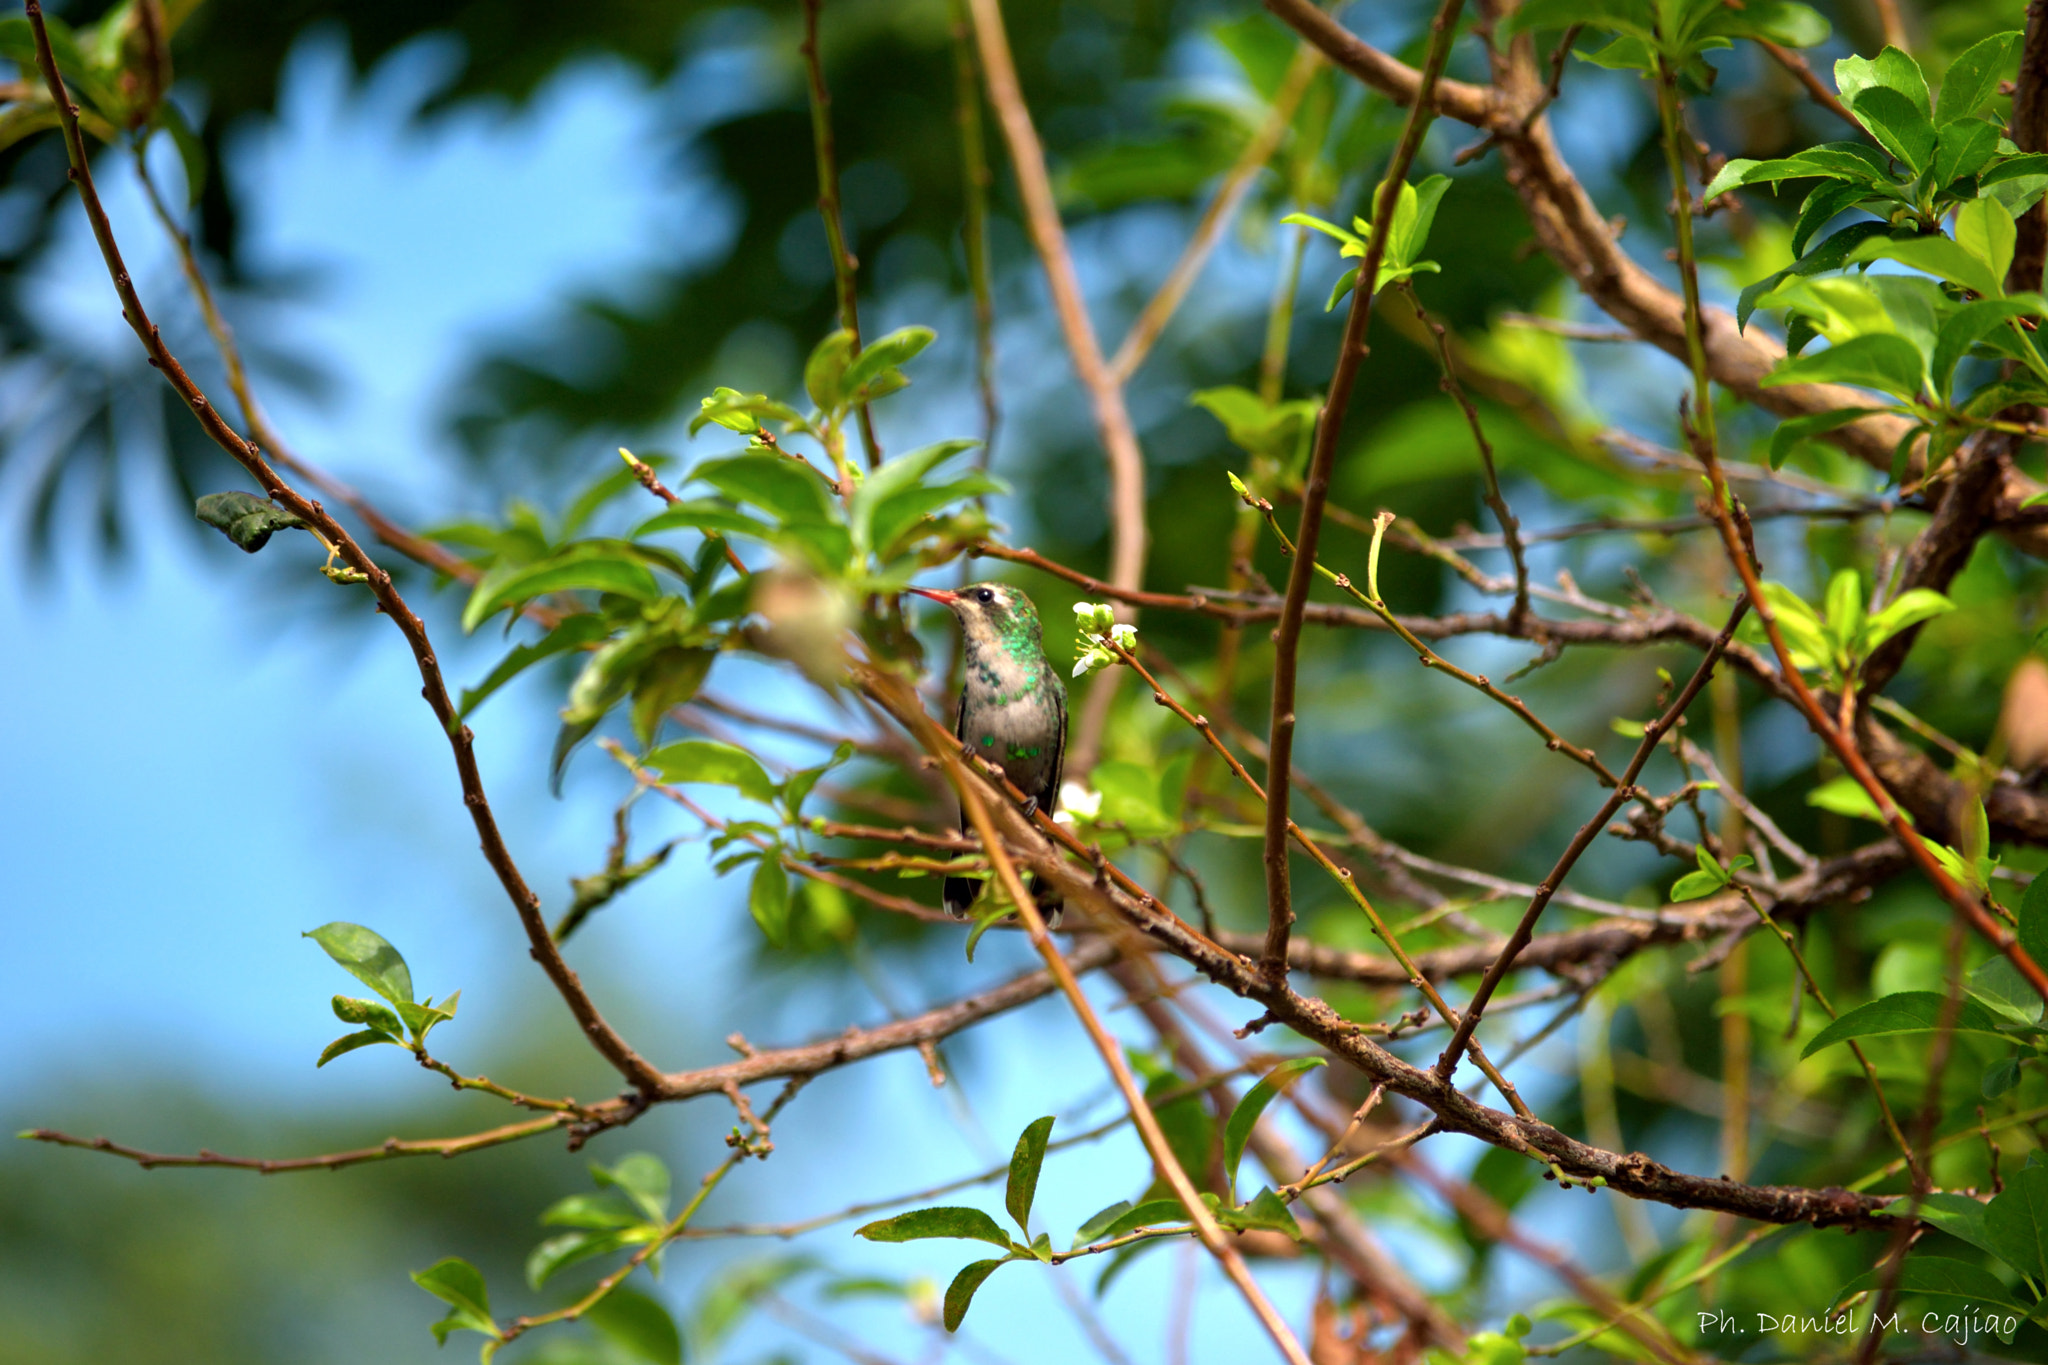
[1316, 492]
[828, 203]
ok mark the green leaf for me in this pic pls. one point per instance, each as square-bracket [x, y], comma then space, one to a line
[1962, 150]
[1774, 21]
[796, 788]
[1969, 325]
[1939, 1277]
[741, 412]
[897, 478]
[667, 680]
[1999, 985]
[1636, 18]
[642, 1178]
[884, 353]
[576, 632]
[1794, 430]
[596, 1211]
[1986, 231]
[1908, 609]
[1798, 623]
[825, 371]
[1829, 255]
[1844, 603]
[1414, 213]
[1958, 1215]
[1899, 125]
[1972, 78]
[1882, 361]
[1237, 1129]
[703, 514]
[559, 1253]
[1844, 795]
[350, 1042]
[1891, 69]
[1024, 1166]
[1943, 257]
[768, 899]
[1150, 1214]
[364, 955]
[2033, 917]
[704, 760]
[1267, 1210]
[637, 1325]
[995, 911]
[350, 1010]
[244, 518]
[1905, 1012]
[2001, 1076]
[919, 1224]
[786, 489]
[960, 1293]
[1101, 1220]
[457, 1283]
[601, 566]
[1694, 885]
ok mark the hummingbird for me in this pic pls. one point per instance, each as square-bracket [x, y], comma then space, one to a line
[1013, 709]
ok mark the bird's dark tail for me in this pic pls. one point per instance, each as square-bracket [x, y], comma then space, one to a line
[961, 891]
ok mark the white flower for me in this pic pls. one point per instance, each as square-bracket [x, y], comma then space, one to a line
[1125, 637]
[1077, 803]
[1093, 618]
[1093, 658]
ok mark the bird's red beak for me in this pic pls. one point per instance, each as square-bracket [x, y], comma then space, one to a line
[937, 595]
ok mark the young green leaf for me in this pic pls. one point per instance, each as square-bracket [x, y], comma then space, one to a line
[1905, 611]
[1881, 360]
[577, 632]
[457, 1283]
[1845, 612]
[778, 485]
[1093, 1228]
[703, 514]
[825, 371]
[642, 1178]
[960, 1293]
[883, 353]
[768, 899]
[1904, 1012]
[364, 955]
[1150, 1214]
[350, 1042]
[1973, 77]
[369, 1013]
[1694, 885]
[897, 478]
[704, 760]
[918, 1224]
[1985, 230]
[1800, 625]
[598, 566]
[1266, 1210]
[1024, 1165]
[1844, 795]
[637, 1325]
[559, 1253]
[1237, 1129]
[596, 1211]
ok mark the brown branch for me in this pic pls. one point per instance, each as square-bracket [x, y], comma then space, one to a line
[332, 1161]
[607, 1041]
[826, 151]
[1815, 86]
[1316, 492]
[1128, 533]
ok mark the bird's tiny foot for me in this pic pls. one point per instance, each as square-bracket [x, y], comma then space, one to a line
[1030, 806]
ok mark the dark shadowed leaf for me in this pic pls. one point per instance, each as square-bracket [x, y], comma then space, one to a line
[2016, 1222]
[244, 518]
[1941, 1278]
[768, 899]
[2033, 927]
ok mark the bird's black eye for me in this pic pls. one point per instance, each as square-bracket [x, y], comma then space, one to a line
[984, 595]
